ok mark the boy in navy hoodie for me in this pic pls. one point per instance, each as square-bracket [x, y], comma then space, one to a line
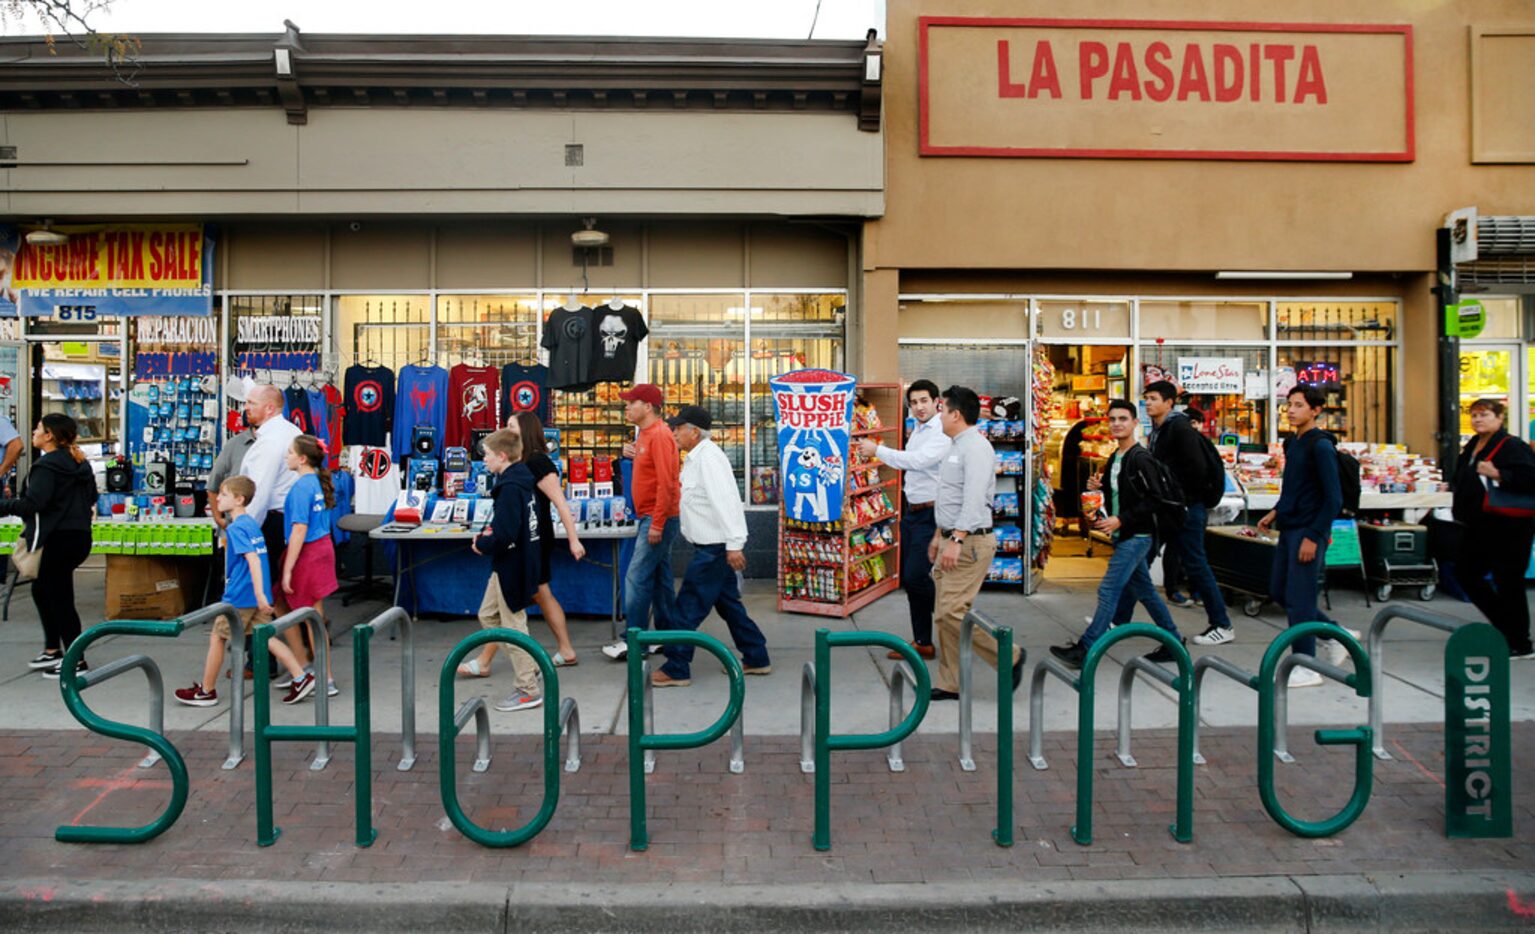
[1309, 500]
[511, 541]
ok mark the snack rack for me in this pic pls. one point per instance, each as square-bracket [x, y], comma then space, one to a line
[836, 569]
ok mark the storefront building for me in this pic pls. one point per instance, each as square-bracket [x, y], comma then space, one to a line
[401, 201]
[1076, 206]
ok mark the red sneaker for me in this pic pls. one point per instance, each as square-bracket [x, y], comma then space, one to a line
[195, 696]
[300, 689]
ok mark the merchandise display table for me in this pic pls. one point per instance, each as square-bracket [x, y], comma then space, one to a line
[1414, 506]
[425, 582]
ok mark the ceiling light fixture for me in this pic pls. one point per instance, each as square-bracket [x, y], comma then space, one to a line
[1259, 274]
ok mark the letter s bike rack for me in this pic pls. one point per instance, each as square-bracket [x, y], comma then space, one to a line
[820, 680]
[1377, 643]
[1083, 684]
[71, 684]
[1003, 835]
[557, 717]
[642, 742]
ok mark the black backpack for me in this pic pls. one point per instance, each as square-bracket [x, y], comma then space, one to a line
[1348, 478]
[1155, 482]
[1213, 488]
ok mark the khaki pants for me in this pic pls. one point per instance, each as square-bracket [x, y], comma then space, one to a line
[493, 613]
[956, 594]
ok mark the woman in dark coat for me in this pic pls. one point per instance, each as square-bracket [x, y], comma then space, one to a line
[1495, 544]
[57, 505]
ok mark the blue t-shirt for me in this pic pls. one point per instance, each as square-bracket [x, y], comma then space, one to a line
[343, 487]
[306, 504]
[244, 538]
[420, 399]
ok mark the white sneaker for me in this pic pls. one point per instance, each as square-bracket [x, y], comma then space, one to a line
[617, 651]
[1216, 635]
[1304, 678]
[1337, 652]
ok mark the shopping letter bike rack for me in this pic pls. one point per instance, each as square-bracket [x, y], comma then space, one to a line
[642, 742]
[558, 716]
[1083, 684]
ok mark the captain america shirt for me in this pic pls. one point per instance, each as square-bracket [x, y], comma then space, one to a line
[524, 389]
[295, 408]
[474, 397]
[369, 399]
[421, 401]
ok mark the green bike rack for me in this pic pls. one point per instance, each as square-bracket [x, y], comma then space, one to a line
[359, 733]
[825, 640]
[71, 684]
[1273, 680]
[1084, 684]
[641, 741]
[557, 717]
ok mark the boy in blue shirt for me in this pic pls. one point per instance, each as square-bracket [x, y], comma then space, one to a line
[247, 587]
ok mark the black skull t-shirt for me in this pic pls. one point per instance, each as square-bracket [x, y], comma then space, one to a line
[616, 337]
[568, 338]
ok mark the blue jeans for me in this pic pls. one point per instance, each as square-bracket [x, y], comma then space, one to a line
[1190, 545]
[1294, 585]
[917, 530]
[1127, 576]
[710, 583]
[649, 580]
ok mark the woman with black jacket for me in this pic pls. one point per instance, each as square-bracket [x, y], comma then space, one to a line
[57, 503]
[1492, 543]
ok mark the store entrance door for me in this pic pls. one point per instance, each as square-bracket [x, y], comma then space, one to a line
[1493, 371]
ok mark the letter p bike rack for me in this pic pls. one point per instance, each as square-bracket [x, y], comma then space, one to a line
[1083, 684]
[825, 742]
[641, 721]
[1004, 636]
[557, 717]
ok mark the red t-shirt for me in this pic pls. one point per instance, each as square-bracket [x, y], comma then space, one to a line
[474, 401]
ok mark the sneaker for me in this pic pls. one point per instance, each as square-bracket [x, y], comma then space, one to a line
[53, 673]
[619, 651]
[283, 683]
[302, 688]
[195, 696]
[1337, 652]
[1180, 599]
[1073, 655]
[330, 687]
[45, 660]
[1164, 655]
[660, 679]
[521, 700]
[1216, 635]
[1304, 678]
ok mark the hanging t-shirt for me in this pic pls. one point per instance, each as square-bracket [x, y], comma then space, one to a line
[243, 537]
[377, 478]
[422, 400]
[524, 389]
[335, 414]
[295, 408]
[369, 396]
[568, 338]
[343, 485]
[474, 394]
[319, 415]
[616, 337]
[305, 503]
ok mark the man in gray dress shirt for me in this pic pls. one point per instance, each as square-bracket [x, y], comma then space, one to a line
[963, 546]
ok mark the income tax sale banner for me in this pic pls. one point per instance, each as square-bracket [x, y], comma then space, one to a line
[108, 269]
[815, 428]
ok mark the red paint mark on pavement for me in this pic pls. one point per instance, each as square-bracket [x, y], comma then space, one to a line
[1421, 767]
[1518, 907]
[109, 785]
[46, 894]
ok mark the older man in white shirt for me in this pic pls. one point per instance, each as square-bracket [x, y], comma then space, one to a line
[266, 464]
[924, 454]
[714, 521]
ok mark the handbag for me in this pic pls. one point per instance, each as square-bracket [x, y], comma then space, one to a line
[1500, 502]
[27, 559]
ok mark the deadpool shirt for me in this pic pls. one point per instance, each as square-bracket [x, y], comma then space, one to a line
[523, 389]
[568, 338]
[616, 337]
[377, 479]
[369, 400]
[474, 394]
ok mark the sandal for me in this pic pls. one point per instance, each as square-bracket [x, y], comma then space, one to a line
[472, 669]
[561, 661]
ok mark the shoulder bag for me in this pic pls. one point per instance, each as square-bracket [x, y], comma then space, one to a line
[27, 558]
[1500, 502]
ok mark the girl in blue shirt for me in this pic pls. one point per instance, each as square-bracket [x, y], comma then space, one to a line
[308, 564]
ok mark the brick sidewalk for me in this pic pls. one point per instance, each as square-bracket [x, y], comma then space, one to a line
[929, 824]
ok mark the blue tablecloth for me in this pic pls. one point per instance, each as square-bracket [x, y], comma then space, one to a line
[450, 579]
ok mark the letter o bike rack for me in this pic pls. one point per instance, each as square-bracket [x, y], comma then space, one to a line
[642, 742]
[558, 716]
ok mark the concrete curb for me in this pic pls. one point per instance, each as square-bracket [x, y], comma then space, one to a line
[1473, 901]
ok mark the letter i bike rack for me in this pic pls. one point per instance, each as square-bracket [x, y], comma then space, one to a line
[642, 742]
[1084, 684]
[559, 717]
[1003, 834]
[817, 680]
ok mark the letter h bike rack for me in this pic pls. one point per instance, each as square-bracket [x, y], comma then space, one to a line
[642, 742]
[559, 717]
[1083, 683]
[818, 679]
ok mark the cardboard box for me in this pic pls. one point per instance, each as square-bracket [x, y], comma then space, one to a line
[153, 587]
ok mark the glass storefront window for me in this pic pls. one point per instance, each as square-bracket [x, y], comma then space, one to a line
[698, 354]
[1085, 320]
[1243, 413]
[1358, 382]
[1503, 319]
[487, 329]
[1202, 320]
[1327, 320]
[384, 330]
[591, 423]
[788, 332]
[1486, 373]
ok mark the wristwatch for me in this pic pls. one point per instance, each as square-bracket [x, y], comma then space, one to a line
[954, 537]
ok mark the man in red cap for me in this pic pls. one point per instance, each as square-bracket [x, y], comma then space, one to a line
[657, 490]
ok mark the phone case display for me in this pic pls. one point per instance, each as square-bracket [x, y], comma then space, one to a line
[837, 568]
[78, 390]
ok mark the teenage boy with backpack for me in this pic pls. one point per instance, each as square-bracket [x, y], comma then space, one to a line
[1130, 482]
[1310, 497]
[1194, 461]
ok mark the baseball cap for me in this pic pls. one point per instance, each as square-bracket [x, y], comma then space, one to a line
[644, 392]
[695, 415]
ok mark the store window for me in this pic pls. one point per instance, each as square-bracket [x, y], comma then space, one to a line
[590, 423]
[698, 354]
[1357, 382]
[1205, 320]
[788, 331]
[1497, 364]
[1085, 319]
[77, 367]
[384, 330]
[492, 330]
[1336, 321]
[1228, 387]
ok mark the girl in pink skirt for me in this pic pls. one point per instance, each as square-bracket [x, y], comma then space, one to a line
[309, 562]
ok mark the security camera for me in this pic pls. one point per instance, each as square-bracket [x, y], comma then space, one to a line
[354, 226]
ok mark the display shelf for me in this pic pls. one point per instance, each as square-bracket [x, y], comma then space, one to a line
[894, 481]
[871, 554]
[874, 521]
[864, 433]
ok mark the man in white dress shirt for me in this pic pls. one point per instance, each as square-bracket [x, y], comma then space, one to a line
[921, 460]
[714, 521]
[266, 464]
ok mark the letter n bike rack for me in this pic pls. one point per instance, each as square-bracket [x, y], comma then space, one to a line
[1083, 683]
[559, 716]
[1004, 636]
[819, 678]
[642, 742]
